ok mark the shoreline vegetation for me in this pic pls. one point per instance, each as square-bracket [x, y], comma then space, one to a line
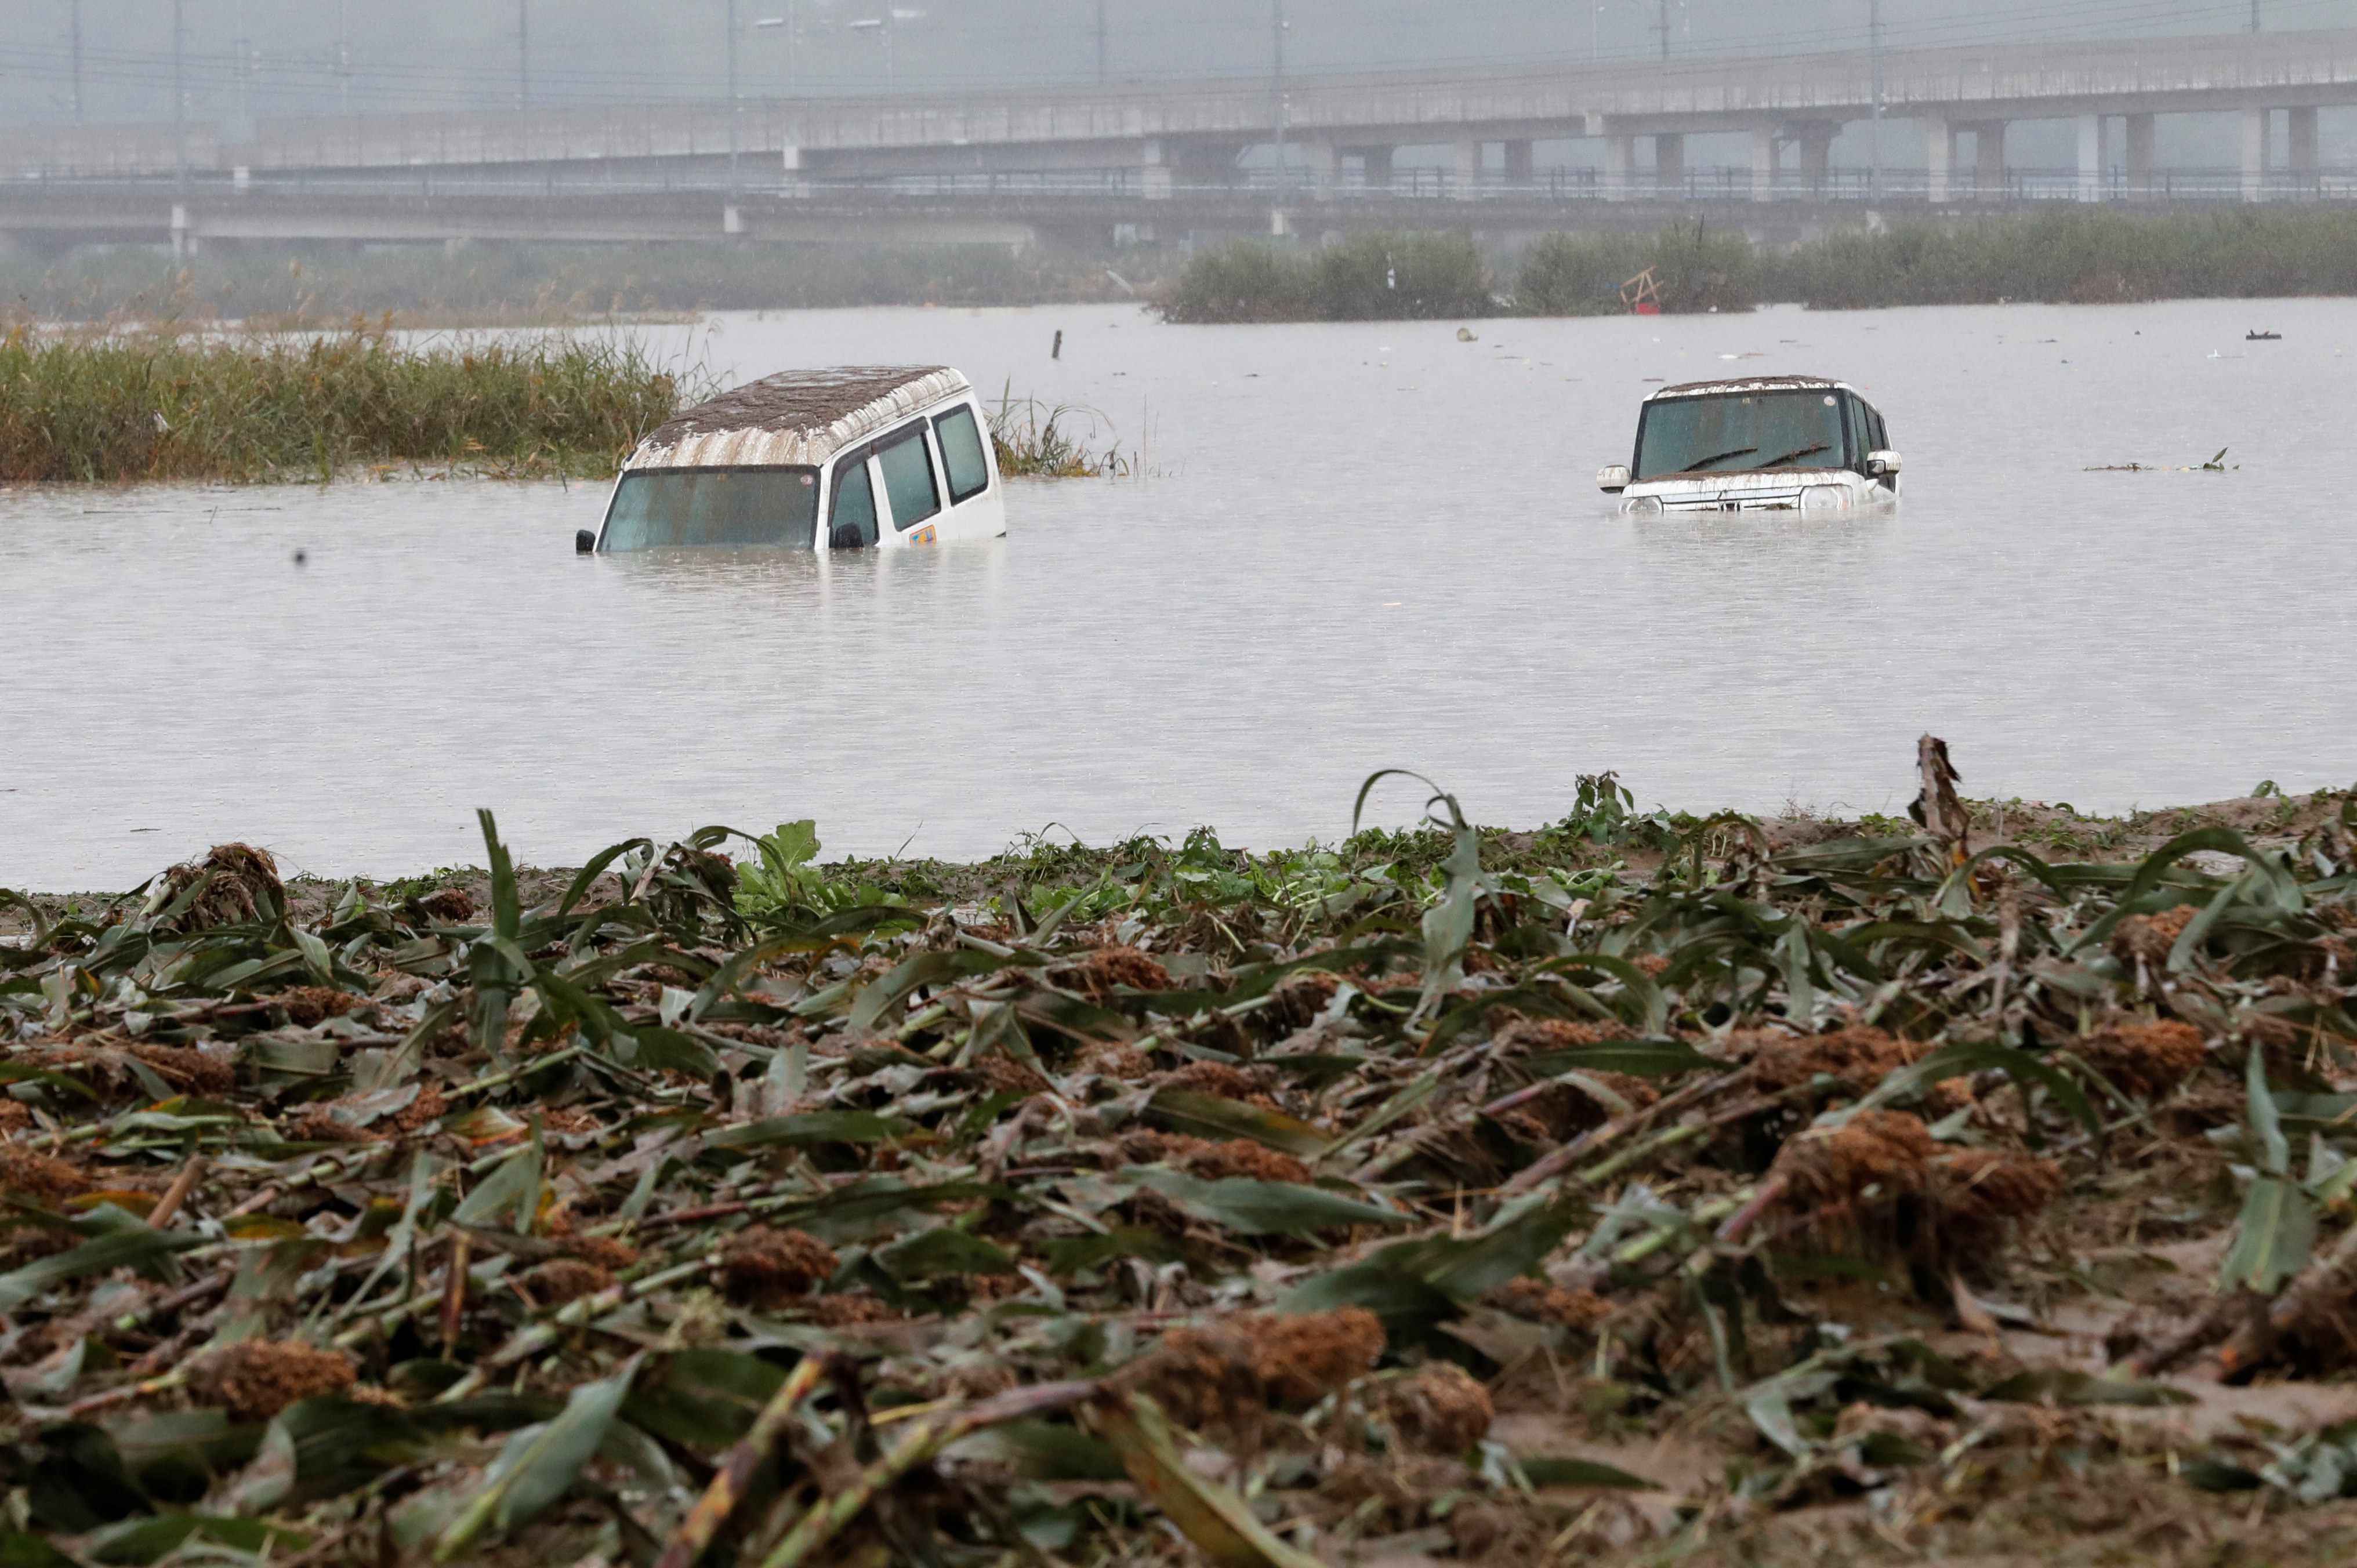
[2071, 255]
[1639, 1188]
[250, 405]
[2068, 255]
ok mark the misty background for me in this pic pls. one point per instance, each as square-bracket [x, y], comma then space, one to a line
[112, 61]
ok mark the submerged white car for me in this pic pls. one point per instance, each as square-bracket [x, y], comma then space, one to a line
[848, 458]
[1760, 444]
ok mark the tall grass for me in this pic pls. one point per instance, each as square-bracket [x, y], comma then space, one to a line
[1694, 269]
[549, 283]
[2076, 255]
[1032, 446]
[246, 407]
[1367, 277]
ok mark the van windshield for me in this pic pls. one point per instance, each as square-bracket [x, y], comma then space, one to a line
[657, 509]
[1741, 430]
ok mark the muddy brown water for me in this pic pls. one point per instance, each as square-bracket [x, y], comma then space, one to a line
[1348, 547]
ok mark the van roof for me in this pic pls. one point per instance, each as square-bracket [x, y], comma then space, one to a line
[1749, 385]
[795, 416]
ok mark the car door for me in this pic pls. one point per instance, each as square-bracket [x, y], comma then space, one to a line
[912, 490]
[850, 518]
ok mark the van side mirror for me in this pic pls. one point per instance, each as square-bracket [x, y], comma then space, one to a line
[583, 541]
[1879, 464]
[1613, 479]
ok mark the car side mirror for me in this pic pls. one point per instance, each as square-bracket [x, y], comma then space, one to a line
[1612, 480]
[1879, 463]
[583, 541]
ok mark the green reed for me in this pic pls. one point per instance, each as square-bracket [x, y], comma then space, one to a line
[245, 407]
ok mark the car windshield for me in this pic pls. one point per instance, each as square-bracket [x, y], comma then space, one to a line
[656, 508]
[1738, 431]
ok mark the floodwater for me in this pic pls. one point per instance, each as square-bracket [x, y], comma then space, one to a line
[1346, 548]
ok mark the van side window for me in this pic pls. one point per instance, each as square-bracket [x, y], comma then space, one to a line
[1880, 441]
[1855, 422]
[852, 524]
[962, 453]
[909, 479]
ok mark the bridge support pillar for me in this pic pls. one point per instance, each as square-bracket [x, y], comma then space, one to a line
[1325, 160]
[1519, 164]
[2095, 156]
[1988, 158]
[1378, 162]
[1468, 183]
[1669, 165]
[1941, 137]
[184, 232]
[1816, 140]
[2138, 133]
[1764, 150]
[1154, 175]
[1619, 167]
[2302, 149]
[2256, 125]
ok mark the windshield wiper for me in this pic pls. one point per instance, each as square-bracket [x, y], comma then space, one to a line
[1696, 467]
[1783, 458]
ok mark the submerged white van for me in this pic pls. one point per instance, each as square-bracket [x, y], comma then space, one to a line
[1760, 444]
[859, 456]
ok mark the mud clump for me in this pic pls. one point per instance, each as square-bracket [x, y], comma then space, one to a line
[189, 1070]
[319, 1125]
[1298, 999]
[1542, 1300]
[254, 1380]
[2148, 938]
[37, 1174]
[851, 1311]
[768, 1268]
[1988, 1184]
[1242, 1157]
[1440, 1410]
[448, 907]
[1107, 968]
[1885, 1151]
[309, 1006]
[2145, 1061]
[1004, 1075]
[244, 881]
[1148, 1147]
[1220, 1080]
[1126, 1063]
[1226, 1375]
[561, 1280]
[1860, 1057]
[1564, 1110]
[1531, 1036]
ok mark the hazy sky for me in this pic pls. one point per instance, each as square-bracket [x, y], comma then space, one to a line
[244, 59]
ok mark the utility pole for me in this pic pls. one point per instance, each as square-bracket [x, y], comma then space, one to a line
[180, 95]
[523, 56]
[74, 16]
[344, 57]
[1666, 30]
[732, 97]
[244, 73]
[1281, 104]
[2254, 15]
[1100, 43]
[1874, 128]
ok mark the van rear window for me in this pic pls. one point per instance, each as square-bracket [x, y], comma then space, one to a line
[658, 509]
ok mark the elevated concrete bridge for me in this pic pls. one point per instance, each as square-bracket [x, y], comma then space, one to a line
[574, 172]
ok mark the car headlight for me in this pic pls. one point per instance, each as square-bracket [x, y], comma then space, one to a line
[1824, 497]
[1644, 504]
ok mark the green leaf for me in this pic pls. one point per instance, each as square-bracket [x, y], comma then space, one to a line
[1210, 1116]
[812, 1128]
[1641, 1058]
[1408, 1305]
[2272, 1237]
[2266, 1123]
[148, 1540]
[506, 914]
[133, 1247]
[18, 1550]
[929, 1254]
[1958, 1061]
[539, 1465]
[1546, 1470]
[1262, 1207]
[1469, 1268]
